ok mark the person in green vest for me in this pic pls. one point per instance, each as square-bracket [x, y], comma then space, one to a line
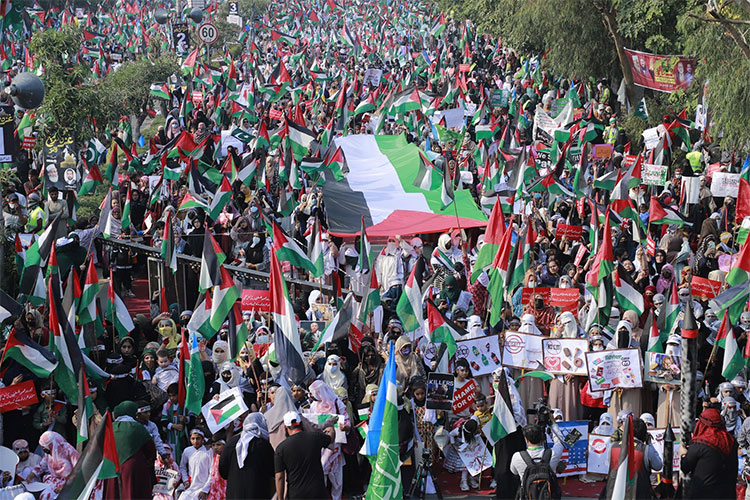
[37, 218]
[610, 133]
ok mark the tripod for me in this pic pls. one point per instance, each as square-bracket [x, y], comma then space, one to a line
[423, 473]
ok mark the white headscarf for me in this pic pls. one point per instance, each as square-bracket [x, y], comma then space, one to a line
[569, 328]
[332, 374]
[528, 325]
[220, 359]
[605, 425]
[254, 426]
[234, 381]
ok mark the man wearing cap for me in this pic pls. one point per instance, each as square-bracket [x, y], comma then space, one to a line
[299, 473]
[195, 468]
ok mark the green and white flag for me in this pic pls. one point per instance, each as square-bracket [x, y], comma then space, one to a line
[503, 421]
[195, 383]
[225, 295]
[117, 312]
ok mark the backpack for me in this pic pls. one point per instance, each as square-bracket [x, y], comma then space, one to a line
[539, 481]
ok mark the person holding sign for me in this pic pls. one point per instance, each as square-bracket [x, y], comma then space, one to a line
[619, 399]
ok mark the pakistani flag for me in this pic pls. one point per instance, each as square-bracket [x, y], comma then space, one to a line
[503, 422]
[194, 383]
[241, 135]
[641, 111]
[117, 312]
[98, 461]
[85, 406]
[287, 250]
[409, 307]
[382, 438]
[441, 329]
[225, 294]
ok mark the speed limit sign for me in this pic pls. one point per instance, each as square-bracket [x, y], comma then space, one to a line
[208, 33]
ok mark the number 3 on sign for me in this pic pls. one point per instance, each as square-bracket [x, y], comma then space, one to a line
[208, 33]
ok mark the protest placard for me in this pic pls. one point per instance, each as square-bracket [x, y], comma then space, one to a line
[569, 231]
[256, 300]
[523, 350]
[475, 456]
[725, 184]
[218, 413]
[463, 397]
[657, 441]
[16, 396]
[439, 391]
[575, 433]
[603, 151]
[483, 354]
[691, 186]
[703, 288]
[662, 368]
[565, 356]
[650, 138]
[322, 418]
[654, 175]
[614, 368]
[598, 456]
[665, 73]
[372, 77]
[555, 297]
[166, 481]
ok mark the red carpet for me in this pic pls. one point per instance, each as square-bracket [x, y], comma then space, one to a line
[140, 303]
[571, 486]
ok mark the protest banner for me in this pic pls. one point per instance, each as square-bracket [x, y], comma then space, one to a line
[575, 434]
[691, 186]
[256, 300]
[555, 297]
[439, 391]
[603, 151]
[218, 413]
[662, 368]
[598, 456]
[654, 175]
[665, 73]
[475, 456]
[569, 231]
[463, 397]
[16, 396]
[8, 142]
[499, 98]
[657, 441]
[650, 138]
[565, 356]
[725, 184]
[629, 160]
[166, 481]
[614, 368]
[372, 77]
[29, 142]
[483, 354]
[60, 164]
[523, 350]
[703, 288]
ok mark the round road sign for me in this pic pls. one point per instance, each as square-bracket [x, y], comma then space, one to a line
[208, 33]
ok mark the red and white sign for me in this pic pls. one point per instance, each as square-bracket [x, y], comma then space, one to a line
[463, 398]
[556, 297]
[275, 114]
[208, 33]
[197, 97]
[17, 396]
[703, 288]
[29, 142]
[256, 300]
[569, 231]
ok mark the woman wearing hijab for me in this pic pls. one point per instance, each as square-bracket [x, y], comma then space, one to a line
[565, 390]
[664, 279]
[368, 371]
[544, 315]
[326, 402]
[332, 374]
[135, 451]
[247, 461]
[256, 253]
[241, 234]
[408, 364]
[624, 399]
[220, 352]
[711, 458]
[56, 465]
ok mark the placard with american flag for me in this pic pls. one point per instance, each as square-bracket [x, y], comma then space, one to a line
[575, 455]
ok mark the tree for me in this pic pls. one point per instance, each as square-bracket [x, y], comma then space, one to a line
[71, 99]
[127, 90]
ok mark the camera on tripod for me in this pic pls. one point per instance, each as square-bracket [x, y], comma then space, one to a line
[542, 413]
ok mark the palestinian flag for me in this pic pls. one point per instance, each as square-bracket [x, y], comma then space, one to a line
[365, 250]
[371, 299]
[493, 236]
[499, 274]
[287, 250]
[604, 260]
[742, 208]
[522, 261]
[194, 381]
[36, 257]
[168, 251]
[339, 326]
[447, 196]
[229, 407]
[731, 301]
[9, 308]
[315, 246]
[160, 92]
[437, 29]
[211, 261]
[406, 102]
[365, 106]
[286, 339]
[626, 464]
[87, 303]
[225, 294]
[117, 312]
[200, 321]
[93, 179]
[288, 39]
[441, 329]
[335, 163]
[667, 319]
[733, 361]
[220, 199]
[503, 422]
[689, 327]
[380, 187]
[98, 461]
[63, 341]
[238, 332]
[626, 293]
[263, 140]
[125, 218]
[409, 306]
[740, 271]
[659, 213]
[428, 178]
[85, 406]
[299, 138]
[189, 202]
[246, 174]
[28, 353]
